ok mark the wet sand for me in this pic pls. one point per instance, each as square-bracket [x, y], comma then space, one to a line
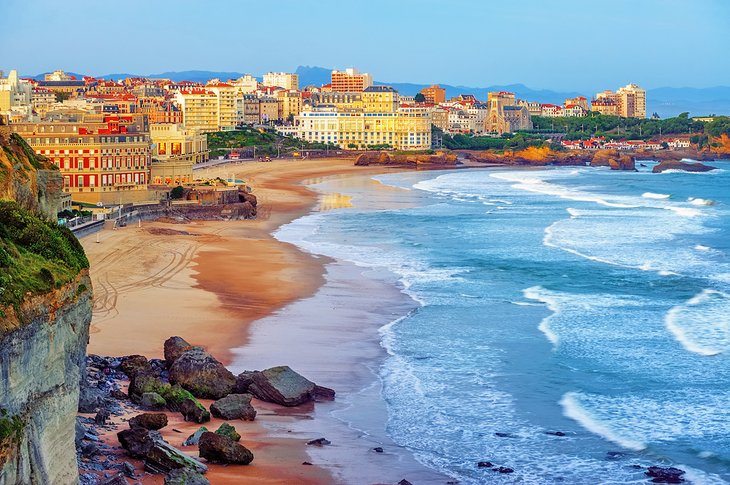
[207, 282]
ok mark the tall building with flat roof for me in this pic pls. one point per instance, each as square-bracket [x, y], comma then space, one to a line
[350, 80]
[434, 94]
[632, 101]
[284, 80]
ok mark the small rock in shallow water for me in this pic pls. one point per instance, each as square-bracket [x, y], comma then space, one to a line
[504, 435]
[485, 464]
[319, 442]
[503, 469]
[378, 449]
[668, 474]
[555, 433]
[404, 482]
[306, 463]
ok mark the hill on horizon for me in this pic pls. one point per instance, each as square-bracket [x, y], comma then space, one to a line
[665, 101]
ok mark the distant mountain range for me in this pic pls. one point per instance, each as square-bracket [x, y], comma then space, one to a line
[666, 102]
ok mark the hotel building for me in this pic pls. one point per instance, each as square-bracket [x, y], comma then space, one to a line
[175, 150]
[406, 128]
[103, 158]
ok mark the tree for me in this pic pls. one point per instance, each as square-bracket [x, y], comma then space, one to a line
[420, 98]
[177, 192]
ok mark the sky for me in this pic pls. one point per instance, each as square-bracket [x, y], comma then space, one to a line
[568, 45]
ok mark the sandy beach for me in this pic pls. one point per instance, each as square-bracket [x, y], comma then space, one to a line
[208, 281]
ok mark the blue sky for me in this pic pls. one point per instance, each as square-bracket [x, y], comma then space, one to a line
[559, 44]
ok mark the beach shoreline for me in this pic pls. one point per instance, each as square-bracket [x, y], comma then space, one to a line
[209, 281]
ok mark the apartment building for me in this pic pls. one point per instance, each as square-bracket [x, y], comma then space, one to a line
[199, 108]
[350, 80]
[434, 94]
[226, 104]
[284, 80]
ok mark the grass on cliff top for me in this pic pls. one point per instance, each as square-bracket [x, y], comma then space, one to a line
[36, 255]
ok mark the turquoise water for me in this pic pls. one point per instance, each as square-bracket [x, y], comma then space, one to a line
[579, 300]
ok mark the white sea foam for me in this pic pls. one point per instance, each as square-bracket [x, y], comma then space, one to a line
[572, 409]
[702, 324]
[652, 195]
[700, 247]
[540, 186]
[538, 293]
[698, 201]
[685, 211]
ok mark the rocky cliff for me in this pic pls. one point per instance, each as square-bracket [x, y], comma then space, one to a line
[29, 179]
[45, 311]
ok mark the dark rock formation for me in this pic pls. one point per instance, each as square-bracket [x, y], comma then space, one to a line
[194, 411]
[234, 406]
[173, 348]
[134, 364]
[485, 464]
[319, 442]
[153, 421]
[158, 455]
[661, 474]
[228, 431]
[221, 449]
[184, 476]
[201, 374]
[680, 165]
[281, 385]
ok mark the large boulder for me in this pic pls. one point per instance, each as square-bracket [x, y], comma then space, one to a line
[281, 385]
[683, 166]
[193, 411]
[158, 455]
[221, 449]
[153, 421]
[184, 476]
[234, 406]
[201, 374]
[173, 348]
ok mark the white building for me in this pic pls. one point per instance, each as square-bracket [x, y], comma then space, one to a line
[284, 80]
[15, 96]
[246, 84]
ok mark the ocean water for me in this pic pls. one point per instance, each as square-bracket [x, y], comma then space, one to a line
[578, 300]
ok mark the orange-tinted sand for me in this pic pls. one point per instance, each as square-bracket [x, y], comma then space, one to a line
[207, 281]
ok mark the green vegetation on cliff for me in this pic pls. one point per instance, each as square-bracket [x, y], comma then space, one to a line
[36, 255]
